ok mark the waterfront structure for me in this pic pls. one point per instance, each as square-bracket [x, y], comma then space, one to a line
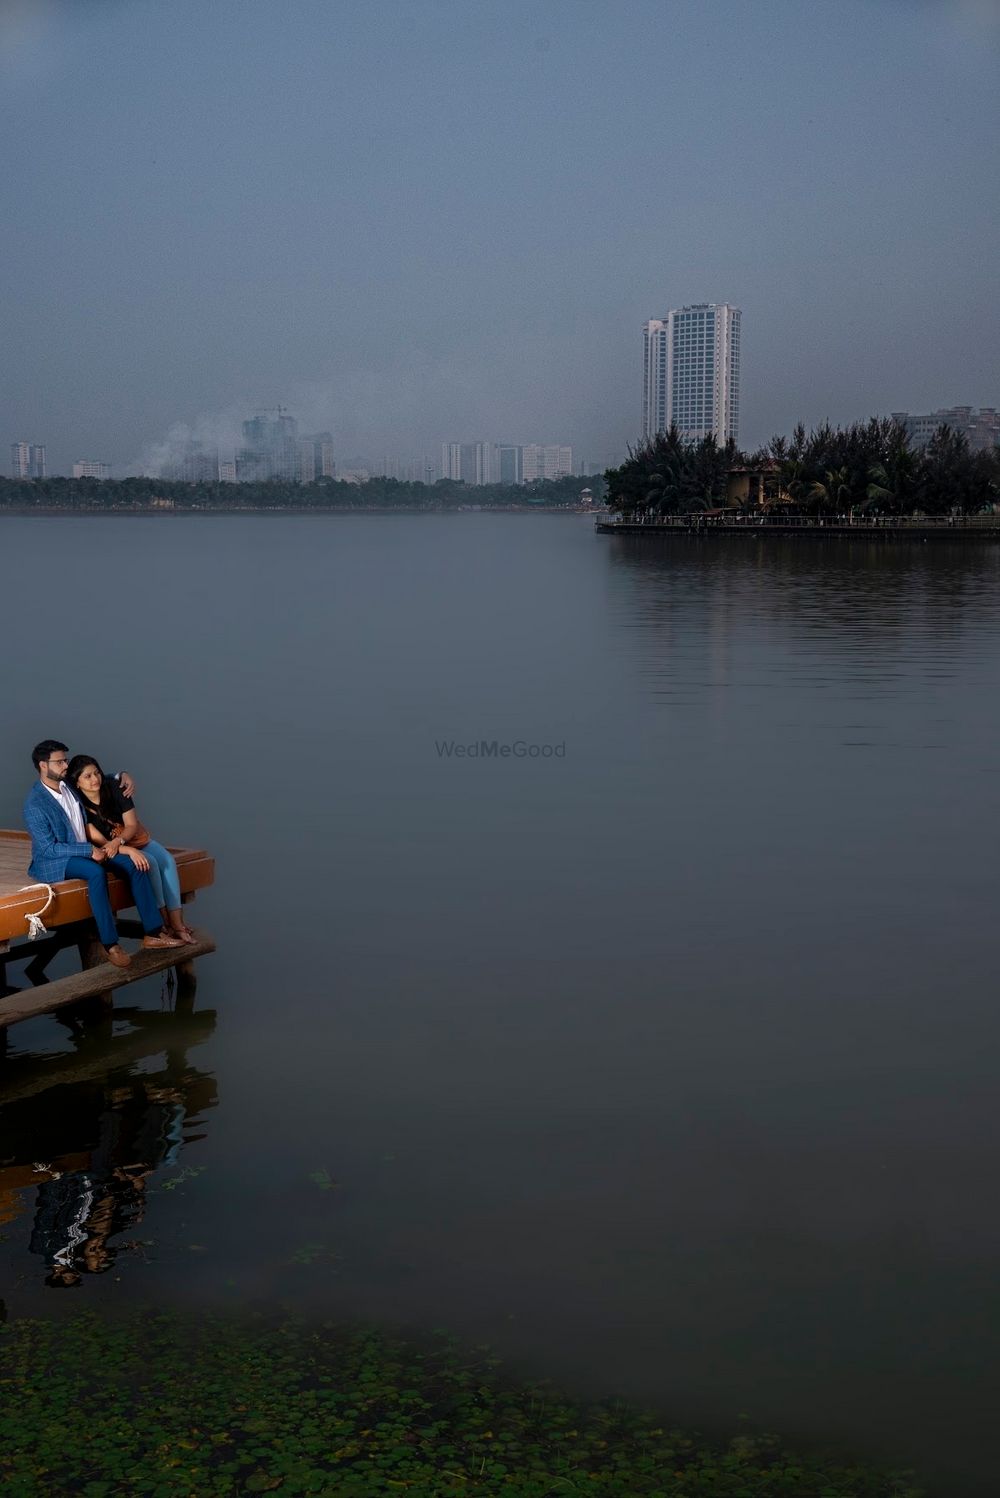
[691, 372]
[981, 428]
[227, 473]
[69, 923]
[553, 461]
[27, 460]
[85, 469]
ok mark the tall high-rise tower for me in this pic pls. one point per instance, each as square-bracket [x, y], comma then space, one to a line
[27, 460]
[691, 372]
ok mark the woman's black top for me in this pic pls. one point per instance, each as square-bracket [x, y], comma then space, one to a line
[95, 816]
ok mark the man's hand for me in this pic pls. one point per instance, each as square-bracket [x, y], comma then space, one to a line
[98, 854]
[127, 784]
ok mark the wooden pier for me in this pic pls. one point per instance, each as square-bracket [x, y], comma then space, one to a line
[887, 529]
[68, 923]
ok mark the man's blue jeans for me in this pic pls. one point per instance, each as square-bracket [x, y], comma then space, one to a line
[97, 892]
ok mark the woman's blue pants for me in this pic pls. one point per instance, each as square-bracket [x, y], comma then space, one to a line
[163, 876]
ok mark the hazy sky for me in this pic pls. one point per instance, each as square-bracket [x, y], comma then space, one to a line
[417, 220]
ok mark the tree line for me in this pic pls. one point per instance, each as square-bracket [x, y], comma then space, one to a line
[870, 467]
[377, 493]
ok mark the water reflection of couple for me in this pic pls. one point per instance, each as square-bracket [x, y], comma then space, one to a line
[81, 823]
[78, 1211]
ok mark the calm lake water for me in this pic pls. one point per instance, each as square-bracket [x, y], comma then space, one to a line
[667, 1064]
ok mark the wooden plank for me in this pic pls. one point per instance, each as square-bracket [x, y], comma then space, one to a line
[96, 980]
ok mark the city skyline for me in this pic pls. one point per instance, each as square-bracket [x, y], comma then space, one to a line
[306, 458]
[363, 245]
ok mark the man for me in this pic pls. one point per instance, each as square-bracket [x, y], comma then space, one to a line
[60, 850]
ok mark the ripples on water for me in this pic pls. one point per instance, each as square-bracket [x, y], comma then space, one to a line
[668, 1066]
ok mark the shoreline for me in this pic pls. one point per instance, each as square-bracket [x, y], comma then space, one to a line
[885, 529]
[29, 512]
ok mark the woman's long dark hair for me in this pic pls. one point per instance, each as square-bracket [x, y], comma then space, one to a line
[75, 769]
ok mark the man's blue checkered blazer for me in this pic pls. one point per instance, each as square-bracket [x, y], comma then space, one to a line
[52, 841]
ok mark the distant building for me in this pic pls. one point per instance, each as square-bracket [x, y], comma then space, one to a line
[509, 463]
[691, 372]
[270, 448]
[479, 463]
[749, 488]
[227, 473]
[389, 468]
[27, 460]
[451, 460]
[322, 458]
[273, 448]
[313, 459]
[194, 465]
[981, 428]
[91, 470]
[423, 471]
[305, 467]
[545, 462]
[407, 470]
[467, 462]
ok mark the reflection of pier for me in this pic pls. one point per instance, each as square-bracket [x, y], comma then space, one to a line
[85, 1130]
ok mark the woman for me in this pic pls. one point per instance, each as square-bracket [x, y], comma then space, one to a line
[111, 819]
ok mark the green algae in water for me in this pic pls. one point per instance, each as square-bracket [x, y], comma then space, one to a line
[166, 1406]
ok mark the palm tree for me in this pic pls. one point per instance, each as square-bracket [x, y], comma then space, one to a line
[831, 493]
[665, 460]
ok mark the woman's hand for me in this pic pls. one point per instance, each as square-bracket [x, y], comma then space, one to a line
[139, 859]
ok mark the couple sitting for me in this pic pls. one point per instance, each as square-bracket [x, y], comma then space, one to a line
[82, 823]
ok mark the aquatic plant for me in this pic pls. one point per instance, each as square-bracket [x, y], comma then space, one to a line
[170, 1407]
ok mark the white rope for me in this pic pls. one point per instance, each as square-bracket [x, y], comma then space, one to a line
[35, 927]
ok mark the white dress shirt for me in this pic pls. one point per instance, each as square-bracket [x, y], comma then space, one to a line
[72, 808]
